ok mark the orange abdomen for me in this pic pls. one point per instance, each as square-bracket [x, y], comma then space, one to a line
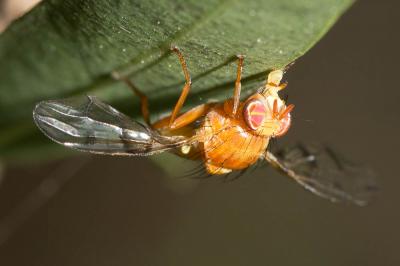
[228, 143]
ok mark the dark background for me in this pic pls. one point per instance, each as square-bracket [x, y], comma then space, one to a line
[125, 211]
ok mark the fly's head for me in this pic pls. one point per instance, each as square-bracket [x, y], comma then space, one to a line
[266, 113]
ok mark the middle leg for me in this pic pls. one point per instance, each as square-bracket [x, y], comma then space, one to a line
[186, 88]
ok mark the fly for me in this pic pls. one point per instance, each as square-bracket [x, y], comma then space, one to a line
[227, 136]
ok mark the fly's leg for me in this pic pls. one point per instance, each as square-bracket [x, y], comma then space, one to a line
[238, 85]
[184, 119]
[185, 89]
[190, 116]
[144, 103]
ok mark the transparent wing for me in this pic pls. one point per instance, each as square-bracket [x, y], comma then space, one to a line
[90, 125]
[322, 171]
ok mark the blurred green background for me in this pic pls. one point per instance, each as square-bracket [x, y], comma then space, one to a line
[125, 211]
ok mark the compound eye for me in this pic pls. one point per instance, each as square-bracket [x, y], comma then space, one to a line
[254, 113]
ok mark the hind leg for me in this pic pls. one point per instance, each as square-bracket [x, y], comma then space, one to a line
[144, 103]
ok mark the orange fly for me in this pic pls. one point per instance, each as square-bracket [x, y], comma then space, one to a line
[227, 136]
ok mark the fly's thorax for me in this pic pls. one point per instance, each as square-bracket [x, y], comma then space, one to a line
[227, 141]
[220, 119]
[215, 120]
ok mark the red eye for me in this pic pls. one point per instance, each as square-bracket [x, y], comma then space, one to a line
[254, 114]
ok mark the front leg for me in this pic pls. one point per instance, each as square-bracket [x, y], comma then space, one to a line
[238, 85]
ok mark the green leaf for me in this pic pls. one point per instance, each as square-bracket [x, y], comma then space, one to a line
[70, 47]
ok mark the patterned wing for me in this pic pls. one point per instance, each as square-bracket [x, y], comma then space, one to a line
[87, 124]
[322, 171]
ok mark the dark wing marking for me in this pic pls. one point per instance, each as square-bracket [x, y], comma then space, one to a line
[320, 170]
[90, 125]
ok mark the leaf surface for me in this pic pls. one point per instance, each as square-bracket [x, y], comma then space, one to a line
[70, 47]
